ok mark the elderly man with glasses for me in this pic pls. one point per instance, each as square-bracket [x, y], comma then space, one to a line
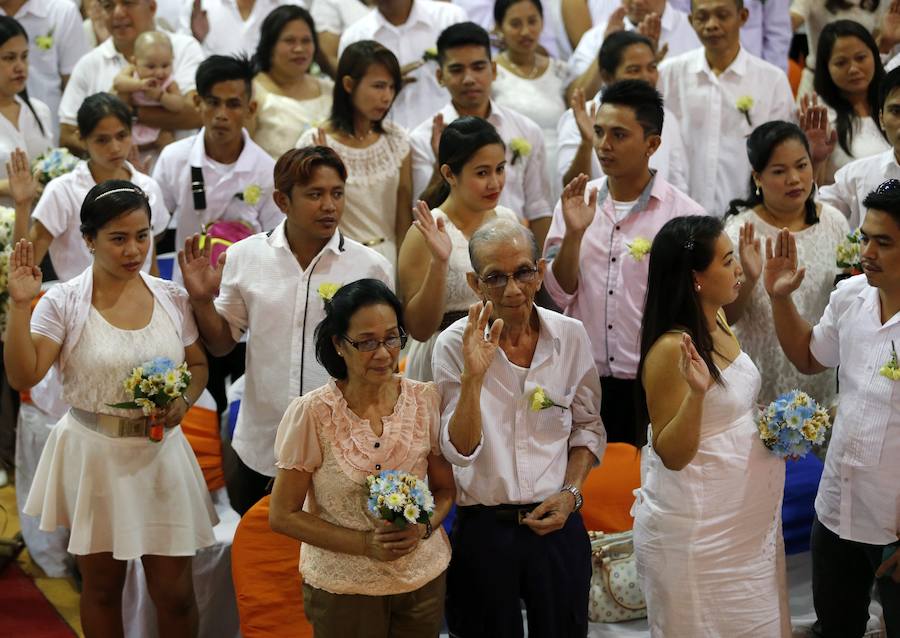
[520, 422]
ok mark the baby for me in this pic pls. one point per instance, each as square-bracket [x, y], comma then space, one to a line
[148, 82]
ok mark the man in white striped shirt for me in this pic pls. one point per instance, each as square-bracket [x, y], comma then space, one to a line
[520, 422]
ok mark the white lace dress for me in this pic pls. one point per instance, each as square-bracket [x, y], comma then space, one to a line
[373, 175]
[128, 496]
[543, 101]
[457, 296]
[816, 247]
[281, 119]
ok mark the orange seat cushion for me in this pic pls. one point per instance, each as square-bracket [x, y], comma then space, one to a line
[608, 490]
[201, 428]
[264, 567]
[795, 71]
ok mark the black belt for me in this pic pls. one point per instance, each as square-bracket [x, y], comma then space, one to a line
[450, 318]
[501, 513]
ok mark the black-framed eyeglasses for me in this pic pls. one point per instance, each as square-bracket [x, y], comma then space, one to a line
[890, 186]
[397, 342]
[499, 279]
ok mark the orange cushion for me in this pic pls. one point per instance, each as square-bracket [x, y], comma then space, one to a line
[264, 567]
[608, 490]
[201, 427]
[795, 71]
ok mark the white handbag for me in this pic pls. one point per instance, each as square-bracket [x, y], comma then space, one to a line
[615, 591]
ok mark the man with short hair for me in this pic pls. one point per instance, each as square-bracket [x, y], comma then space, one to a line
[271, 288]
[520, 424]
[467, 72]
[599, 243]
[855, 539]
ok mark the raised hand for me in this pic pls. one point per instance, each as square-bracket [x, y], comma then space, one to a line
[406, 69]
[437, 128]
[889, 30]
[319, 139]
[433, 231]
[781, 274]
[813, 119]
[24, 277]
[651, 27]
[616, 21]
[478, 351]
[201, 280]
[750, 252]
[22, 183]
[199, 22]
[692, 366]
[661, 53]
[584, 118]
[577, 213]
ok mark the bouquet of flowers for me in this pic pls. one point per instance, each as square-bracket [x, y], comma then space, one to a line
[7, 220]
[154, 385]
[792, 424]
[847, 253]
[53, 163]
[399, 498]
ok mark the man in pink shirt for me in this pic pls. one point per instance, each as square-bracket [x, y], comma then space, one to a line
[599, 242]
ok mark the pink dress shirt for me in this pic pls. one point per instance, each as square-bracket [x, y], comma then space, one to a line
[612, 282]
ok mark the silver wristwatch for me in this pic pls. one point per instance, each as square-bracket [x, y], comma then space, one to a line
[579, 499]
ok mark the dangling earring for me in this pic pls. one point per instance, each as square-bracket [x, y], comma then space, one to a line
[698, 287]
[757, 190]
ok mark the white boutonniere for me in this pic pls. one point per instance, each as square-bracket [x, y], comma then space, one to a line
[638, 248]
[540, 401]
[744, 104]
[326, 291]
[45, 42]
[251, 194]
[520, 147]
[891, 369]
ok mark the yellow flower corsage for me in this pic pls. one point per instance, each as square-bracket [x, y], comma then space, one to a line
[45, 42]
[891, 369]
[252, 194]
[520, 147]
[540, 400]
[638, 248]
[744, 104]
[431, 53]
[326, 291]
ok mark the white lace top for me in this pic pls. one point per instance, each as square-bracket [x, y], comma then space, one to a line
[105, 355]
[281, 119]
[867, 140]
[816, 247]
[373, 175]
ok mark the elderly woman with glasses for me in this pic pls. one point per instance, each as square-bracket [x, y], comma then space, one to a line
[363, 576]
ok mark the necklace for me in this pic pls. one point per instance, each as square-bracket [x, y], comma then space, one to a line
[528, 76]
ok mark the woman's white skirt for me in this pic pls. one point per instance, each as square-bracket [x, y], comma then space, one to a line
[129, 496]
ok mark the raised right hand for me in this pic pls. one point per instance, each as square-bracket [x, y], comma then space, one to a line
[813, 120]
[22, 183]
[583, 118]
[199, 22]
[201, 280]
[693, 367]
[651, 27]
[749, 250]
[781, 274]
[433, 231]
[616, 21]
[437, 128]
[577, 213]
[478, 351]
[24, 278]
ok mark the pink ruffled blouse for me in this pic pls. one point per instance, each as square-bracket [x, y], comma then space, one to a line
[321, 435]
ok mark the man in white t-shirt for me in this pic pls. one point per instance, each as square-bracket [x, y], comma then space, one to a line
[272, 288]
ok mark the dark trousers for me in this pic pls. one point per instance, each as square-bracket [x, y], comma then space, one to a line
[498, 564]
[843, 574]
[221, 368]
[618, 409]
[245, 486]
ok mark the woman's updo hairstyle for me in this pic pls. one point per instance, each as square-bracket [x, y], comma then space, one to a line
[108, 200]
[96, 107]
[340, 310]
[459, 142]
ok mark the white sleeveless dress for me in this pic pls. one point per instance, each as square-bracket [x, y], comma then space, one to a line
[129, 496]
[708, 538]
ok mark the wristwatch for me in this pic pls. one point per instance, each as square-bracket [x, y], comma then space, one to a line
[574, 491]
[429, 530]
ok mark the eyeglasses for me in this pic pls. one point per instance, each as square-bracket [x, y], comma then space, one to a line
[499, 280]
[889, 186]
[371, 345]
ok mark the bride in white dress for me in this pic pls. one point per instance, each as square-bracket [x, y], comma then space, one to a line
[707, 529]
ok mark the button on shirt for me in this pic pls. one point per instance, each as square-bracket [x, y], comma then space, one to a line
[853, 181]
[523, 454]
[859, 494]
[95, 72]
[56, 41]
[266, 293]
[525, 192]
[612, 283]
[713, 129]
[229, 33]
[409, 41]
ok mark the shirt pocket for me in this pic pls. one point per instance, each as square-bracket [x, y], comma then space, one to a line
[553, 424]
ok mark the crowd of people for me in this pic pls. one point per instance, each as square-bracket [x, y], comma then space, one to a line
[475, 242]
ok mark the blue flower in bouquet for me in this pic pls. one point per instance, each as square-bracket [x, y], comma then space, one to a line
[53, 163]
[792, 424]
[399, 498]
[159, 365]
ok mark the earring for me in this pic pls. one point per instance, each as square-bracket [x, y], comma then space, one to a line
[698, 287]
[92, 249]
[340, 354]
[757, 190]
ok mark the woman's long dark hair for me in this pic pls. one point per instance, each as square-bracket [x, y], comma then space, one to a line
[762, 142]
[355, 62]
[459, 142]
[10, 28]
[683, 246]
[271, 29]
[829, 91]
[833, 6]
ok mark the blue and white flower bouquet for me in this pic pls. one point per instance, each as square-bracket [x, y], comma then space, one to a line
[399, 498]
[53, 163]
[153, 385]
[792, 424]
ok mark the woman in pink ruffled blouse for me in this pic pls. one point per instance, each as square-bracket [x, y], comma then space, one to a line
[363, 577]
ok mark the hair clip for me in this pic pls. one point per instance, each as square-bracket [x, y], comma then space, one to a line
[689, 244]
[890, 186]
[135, 190]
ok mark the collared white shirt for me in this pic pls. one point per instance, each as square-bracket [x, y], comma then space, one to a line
[61, 21]
[713, 129]
[553, 36]
[409, 41]
[267, 294]
[334, 16]
[675, 30]
[526, 189]
[859, 494]
[26, 135]
[222, 182]
[95, 72]
[523, 454]
[857, 179]
[59, 211]
[229, 33]
[669, 161]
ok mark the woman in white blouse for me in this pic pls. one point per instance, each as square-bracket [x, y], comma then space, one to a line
[528, 81]
[290, 99]
[376, 151]
[26, 123]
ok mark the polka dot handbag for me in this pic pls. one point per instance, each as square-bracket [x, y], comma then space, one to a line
[615, 591]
